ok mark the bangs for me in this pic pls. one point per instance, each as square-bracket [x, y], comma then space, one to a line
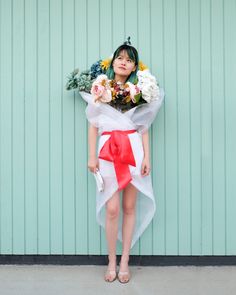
[130, 51]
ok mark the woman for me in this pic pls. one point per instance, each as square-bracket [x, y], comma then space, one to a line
[129, 130]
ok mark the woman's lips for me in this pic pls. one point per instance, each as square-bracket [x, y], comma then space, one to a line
[122, 68]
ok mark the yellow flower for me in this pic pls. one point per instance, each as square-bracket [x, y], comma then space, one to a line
[105, 63]
[113, 94]
[103, 82]
[142, 66]
[127, 99]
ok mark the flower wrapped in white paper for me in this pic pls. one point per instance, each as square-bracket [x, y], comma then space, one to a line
[107, 118]
[116, 123]
[148, 85]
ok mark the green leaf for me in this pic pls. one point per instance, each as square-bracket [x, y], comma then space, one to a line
[137, 97]
[135, 81]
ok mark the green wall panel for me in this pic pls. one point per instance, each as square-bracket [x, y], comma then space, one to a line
[47, 195]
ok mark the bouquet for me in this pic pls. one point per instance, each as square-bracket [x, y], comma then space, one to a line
[123, 97]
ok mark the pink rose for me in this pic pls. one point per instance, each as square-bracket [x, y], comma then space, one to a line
[101, 89]
[106, 96]
[97, 91]
[134, 90]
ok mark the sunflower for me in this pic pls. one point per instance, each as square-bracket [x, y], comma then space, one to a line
[142, 66]
[105, 63]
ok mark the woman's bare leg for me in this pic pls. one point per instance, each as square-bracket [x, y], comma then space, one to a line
[111, 226]
[129, 205]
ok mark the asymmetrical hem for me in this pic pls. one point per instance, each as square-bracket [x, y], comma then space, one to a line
[106, 118]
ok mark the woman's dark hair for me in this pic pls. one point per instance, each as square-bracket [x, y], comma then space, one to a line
[133, 55]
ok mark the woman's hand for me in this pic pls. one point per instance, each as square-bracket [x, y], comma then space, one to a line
[93, 164]
[145, 170]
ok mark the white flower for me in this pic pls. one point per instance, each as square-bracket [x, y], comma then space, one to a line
[101, 77]
[148, 85]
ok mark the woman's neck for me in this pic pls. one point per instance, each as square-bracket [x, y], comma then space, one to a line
[121, 79]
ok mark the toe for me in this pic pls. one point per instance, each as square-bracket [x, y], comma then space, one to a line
[124, 278]
[110, 276]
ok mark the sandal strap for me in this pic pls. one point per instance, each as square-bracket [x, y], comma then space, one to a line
[111, 271]
[123, 272]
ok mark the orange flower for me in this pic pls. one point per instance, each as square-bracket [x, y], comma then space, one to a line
[142, 66]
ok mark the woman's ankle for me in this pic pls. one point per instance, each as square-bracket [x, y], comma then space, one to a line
[112, 257]
[125, 257]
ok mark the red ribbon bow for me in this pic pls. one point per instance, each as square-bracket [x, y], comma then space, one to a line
[117, 149]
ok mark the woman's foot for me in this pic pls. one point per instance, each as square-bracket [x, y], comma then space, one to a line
[124, 273]
[111, 274]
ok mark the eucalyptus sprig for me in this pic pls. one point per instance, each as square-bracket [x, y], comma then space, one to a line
[82, 82]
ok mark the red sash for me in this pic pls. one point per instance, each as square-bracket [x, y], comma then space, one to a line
[117, 149]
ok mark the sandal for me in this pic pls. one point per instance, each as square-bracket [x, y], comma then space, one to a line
[121, 273]
[110, 272]
[121, 278]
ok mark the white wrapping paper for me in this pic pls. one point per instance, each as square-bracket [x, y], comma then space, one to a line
[107, 118]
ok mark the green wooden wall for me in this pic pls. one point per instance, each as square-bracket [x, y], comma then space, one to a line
[47, 196]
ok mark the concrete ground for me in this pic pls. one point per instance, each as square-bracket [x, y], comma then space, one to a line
[88, 280]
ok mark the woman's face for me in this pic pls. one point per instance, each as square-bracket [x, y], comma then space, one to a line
[123, 65]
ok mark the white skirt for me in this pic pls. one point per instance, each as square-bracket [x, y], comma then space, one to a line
[140, 118]
[145, 203]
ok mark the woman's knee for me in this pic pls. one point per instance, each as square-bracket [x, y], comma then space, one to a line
[113, 206]
[112, 210]
[129, 209]
[129, 199]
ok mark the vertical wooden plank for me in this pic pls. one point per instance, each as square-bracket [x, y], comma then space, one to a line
[158, 132]
[218, 131]
[132, 22]
[118, 23]
[31, 123]
[6, 92]
[105, 8]
[206, 140]
[68, 130]
[18, 127]
[184, 100]
[1, 173]
[195, 123]
[81, 146]
[43, 128]
[105, 32]
[56, 167]
[94, 230]
[230, 121]
[144, 41]
[171, 136]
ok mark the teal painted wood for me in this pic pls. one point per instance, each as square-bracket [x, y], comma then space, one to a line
[55, 149]
[47, 196]
[17, 209]
[230, 140]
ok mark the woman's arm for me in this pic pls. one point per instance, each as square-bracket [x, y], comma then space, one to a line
[146, 158]
[92, 139]
[145, 138]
